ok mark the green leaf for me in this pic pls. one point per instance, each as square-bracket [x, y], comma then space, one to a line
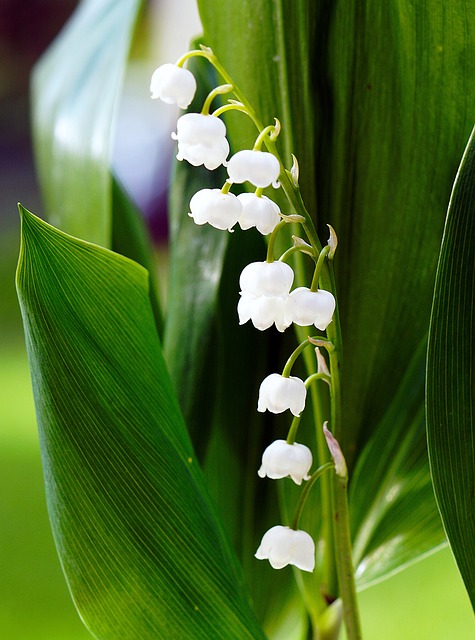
[450, 373]
[391, 482]
[141, 546]
[75, 90]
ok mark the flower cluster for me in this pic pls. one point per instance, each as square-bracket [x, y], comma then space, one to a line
[266, 295]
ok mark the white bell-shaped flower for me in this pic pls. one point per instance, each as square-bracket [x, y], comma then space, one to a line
[282, 546]
[259, 212]
[212, 206]
[173, 85]
[277, 394]
[305, 307]
[201, 140]
[281, 459]
[265, 287]
[263, 312]
[266, 279]
[260, 168]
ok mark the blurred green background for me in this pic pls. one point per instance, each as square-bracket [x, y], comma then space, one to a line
[424, 601]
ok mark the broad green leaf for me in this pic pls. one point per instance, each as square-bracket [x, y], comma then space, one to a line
[376, 102]
[391, 482]
[140, 543]
[75, 91]
[450, 373]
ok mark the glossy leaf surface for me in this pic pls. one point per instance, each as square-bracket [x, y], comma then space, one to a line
[139, 540]
[376, 102]
[451, 373]
[76, 86]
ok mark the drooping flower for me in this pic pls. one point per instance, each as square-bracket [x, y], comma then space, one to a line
[260, 168]
[265, 287]
[282, 546]
[281, 459]
[212, 206]
[305, 307]
[259, 212]
[201, 140]
[277, 394]
[173, 85]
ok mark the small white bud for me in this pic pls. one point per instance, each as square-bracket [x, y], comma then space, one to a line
[266, 279]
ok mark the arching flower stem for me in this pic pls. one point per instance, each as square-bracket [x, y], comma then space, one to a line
[304, 495]
[293, 357]
[318, 267]
[272, 239]
[223, 88]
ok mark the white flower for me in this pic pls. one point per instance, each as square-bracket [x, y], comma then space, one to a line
[276, 394]
[282, 459]
[259, 212]
[305, 307]
[282, 546]
[201, 140]
[266, 279]
[260, 168]
[174, 85]
[265, 287]
[220, 210]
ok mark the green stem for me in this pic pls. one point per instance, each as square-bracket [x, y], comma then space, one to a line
[272, 239]
[223, 88]
[318, 268]
[293, 430]
[304, 495]
[346, 575]
[291, 361]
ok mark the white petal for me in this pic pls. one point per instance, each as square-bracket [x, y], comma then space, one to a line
[220, 210]
[196, 128]
[260, 168]
[277, 394]
[305, 307]
[259, 212]
[174, 85]
[263, 311]
[266, 278]
[282, 546]
[282, 459]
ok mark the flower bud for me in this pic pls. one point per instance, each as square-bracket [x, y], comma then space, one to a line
[282, 546]
[212, 206]
[282, 459]
[260, 168]
[259, 212]
[201, 140]
[305, 307]
[276, 394]
[173, 85]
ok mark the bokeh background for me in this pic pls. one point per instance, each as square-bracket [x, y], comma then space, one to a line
[425, 601]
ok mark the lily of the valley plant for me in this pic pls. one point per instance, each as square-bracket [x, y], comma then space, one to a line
[273, 413]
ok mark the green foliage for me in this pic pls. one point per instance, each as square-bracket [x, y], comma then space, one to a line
[379, 103]
[138, 538]
[450, 373]
[376, 101]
